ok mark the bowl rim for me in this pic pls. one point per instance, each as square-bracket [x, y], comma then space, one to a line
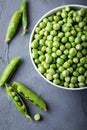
[31, 36]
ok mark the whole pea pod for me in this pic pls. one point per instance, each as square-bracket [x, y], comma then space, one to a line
[23, 8]
[29, 95]
[9, 70]
[13, 26]
[17, 100]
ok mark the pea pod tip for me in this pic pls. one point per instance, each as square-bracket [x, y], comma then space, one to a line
[24, 32]
[29, 117]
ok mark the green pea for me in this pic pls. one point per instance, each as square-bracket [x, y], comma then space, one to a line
[76, 73]
[66, 64]
[81, 24]
[84, 38]
[77, 40]
[65, 73]
[72, 52]
[9, 70]
[83, 60]
[71, 39]
[71, 85]
[75, 60]
[41, 69]
[13, 26]
[55, 76]
[46, 65]
[34, 44]
[68, 45]
[74, 79]
[66, 84]
[58, 52]
[56, 44]
[51, 71]
[48, 59]
[49, 76]
[79, 54]
[56, 81]
[32, 97]
[78, 47]
[78, 19]
[85, 74]
[81, 70]
[81, 84]
[84, 44]
[67, 79]
[18, 100]
[81, 78]
[61, 68]
[13, 93]
[37, 117]
[42, 24]
[67, 34]
[37, 29]
[23, 8]
[64, 39]
[60, 61]
[56, 26]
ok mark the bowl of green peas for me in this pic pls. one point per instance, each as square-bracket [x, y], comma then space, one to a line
[58, 47]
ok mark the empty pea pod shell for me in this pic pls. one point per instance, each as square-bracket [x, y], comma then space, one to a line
[29, 95]
[9, 70]
[17, 100]
[13, 26]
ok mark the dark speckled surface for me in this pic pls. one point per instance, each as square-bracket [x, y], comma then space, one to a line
[67, 110]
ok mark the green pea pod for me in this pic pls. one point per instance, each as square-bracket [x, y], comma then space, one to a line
[17, 100]
[29, 95]
[13, 26]
[9, 70]
[23, 8]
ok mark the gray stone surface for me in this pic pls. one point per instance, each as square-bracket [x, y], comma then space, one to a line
[67, 110]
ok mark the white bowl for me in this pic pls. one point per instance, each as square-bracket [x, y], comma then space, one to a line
[74, 6]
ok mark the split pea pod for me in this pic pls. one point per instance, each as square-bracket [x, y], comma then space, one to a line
[9, 70]
[13, 26]
[17, 100]
[29, 95]
[23, 8]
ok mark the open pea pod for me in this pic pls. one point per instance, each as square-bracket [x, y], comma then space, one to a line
[17, 100]
[29, 95]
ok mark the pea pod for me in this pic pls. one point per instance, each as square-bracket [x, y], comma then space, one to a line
[9, 70]
[23, 8]
[29, 95]
[13, 26]
[17, 100]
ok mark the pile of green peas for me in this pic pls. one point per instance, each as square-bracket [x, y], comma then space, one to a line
[59, 47]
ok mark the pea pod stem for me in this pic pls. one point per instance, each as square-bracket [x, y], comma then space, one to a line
[29, 95]
[21, 108]
[9, 70]
[23, 8]
[13, 26]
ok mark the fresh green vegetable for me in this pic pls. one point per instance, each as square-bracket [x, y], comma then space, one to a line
[65, 46]
[17, 100]
[37, 117]
[29, 95]
[13, 26]
[23, 8]
[9, 70]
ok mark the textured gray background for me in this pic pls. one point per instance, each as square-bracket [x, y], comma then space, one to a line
[67, 110]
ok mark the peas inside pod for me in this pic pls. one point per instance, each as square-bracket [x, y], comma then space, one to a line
[59, 47]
